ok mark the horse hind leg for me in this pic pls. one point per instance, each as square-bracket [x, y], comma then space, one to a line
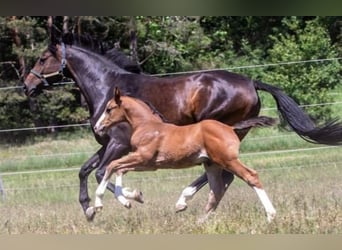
[189, 192]
[217, 187]
[251, 177]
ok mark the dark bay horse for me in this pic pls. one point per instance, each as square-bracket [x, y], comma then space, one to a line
[219, 95]
[160, 145]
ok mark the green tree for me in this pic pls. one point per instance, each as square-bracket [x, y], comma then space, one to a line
[308, 83]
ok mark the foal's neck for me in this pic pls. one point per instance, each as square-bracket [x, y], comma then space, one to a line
[138, 112]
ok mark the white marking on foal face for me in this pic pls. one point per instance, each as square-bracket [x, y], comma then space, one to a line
[98, 127]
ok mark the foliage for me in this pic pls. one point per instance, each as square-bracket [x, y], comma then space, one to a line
[165, 44]
[311, 82]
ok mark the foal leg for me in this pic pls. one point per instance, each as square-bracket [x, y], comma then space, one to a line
[115, 150]
[101, 188]
[119, 166]
[251, 177]
[119, 191]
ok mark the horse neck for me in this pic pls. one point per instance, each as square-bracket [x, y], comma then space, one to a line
[137, 112]
[91, 71]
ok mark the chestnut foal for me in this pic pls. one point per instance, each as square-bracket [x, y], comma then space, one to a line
[159, 145]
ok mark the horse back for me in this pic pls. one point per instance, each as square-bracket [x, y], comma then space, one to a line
[218, 95]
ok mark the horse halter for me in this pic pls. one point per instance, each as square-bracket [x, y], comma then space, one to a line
[44, 77]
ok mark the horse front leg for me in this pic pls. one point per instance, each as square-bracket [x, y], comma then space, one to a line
[84, 172]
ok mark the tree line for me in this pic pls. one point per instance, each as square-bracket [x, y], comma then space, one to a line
[166, 44]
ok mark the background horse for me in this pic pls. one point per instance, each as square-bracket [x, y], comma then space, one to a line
[160, 145]
[219, 95]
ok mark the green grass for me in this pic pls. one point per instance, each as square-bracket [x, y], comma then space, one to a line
[303, 181]
[305, 187]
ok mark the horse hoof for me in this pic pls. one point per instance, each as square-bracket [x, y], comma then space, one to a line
[90, 213]
[128, 205]
[181, 207]
[138, 196]
[98, 209]
[270, 217]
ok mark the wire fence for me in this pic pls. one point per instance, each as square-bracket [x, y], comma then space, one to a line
[250, 154]
[134, 179]
[87, 124]
[188, 72]
[226, 68]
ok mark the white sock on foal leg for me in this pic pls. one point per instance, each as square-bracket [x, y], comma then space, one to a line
[270, 211]
[100, 192]
[118, 192]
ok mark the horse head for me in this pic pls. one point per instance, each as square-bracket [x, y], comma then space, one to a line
[112, 114]
[47, 70]
[51, 67]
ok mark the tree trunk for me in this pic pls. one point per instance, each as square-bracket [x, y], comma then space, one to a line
[133, 39]
[65, 24]
[18, 44]
[49, 25]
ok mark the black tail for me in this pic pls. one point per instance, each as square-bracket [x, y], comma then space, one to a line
[259, 121]
[329, 133]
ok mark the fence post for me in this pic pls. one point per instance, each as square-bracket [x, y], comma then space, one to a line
[2, 190]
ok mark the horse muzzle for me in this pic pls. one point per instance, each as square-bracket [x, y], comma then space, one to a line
[99, 129]
[31, 92]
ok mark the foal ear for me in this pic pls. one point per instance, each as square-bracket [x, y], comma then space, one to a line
[117, 95]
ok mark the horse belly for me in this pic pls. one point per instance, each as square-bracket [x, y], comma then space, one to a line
[174, 160]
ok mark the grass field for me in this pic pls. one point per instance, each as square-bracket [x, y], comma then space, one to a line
[303, 181]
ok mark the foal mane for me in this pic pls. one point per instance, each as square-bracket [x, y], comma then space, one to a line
[88, 42]
[151, 107]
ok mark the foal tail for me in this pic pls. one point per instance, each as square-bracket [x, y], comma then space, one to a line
[329, 133]
[259, 121]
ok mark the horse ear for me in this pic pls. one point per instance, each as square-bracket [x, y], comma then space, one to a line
[55, 34]
[117, 95]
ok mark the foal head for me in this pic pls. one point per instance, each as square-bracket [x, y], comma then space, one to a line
[129, 109]
[113, 113]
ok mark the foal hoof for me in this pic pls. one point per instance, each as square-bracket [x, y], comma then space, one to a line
[181, 207]
[128, 205]
[138, 196]
[270, 217]
[98, 209]
[90, 213]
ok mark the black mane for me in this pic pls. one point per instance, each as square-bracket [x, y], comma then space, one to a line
[86, 41]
